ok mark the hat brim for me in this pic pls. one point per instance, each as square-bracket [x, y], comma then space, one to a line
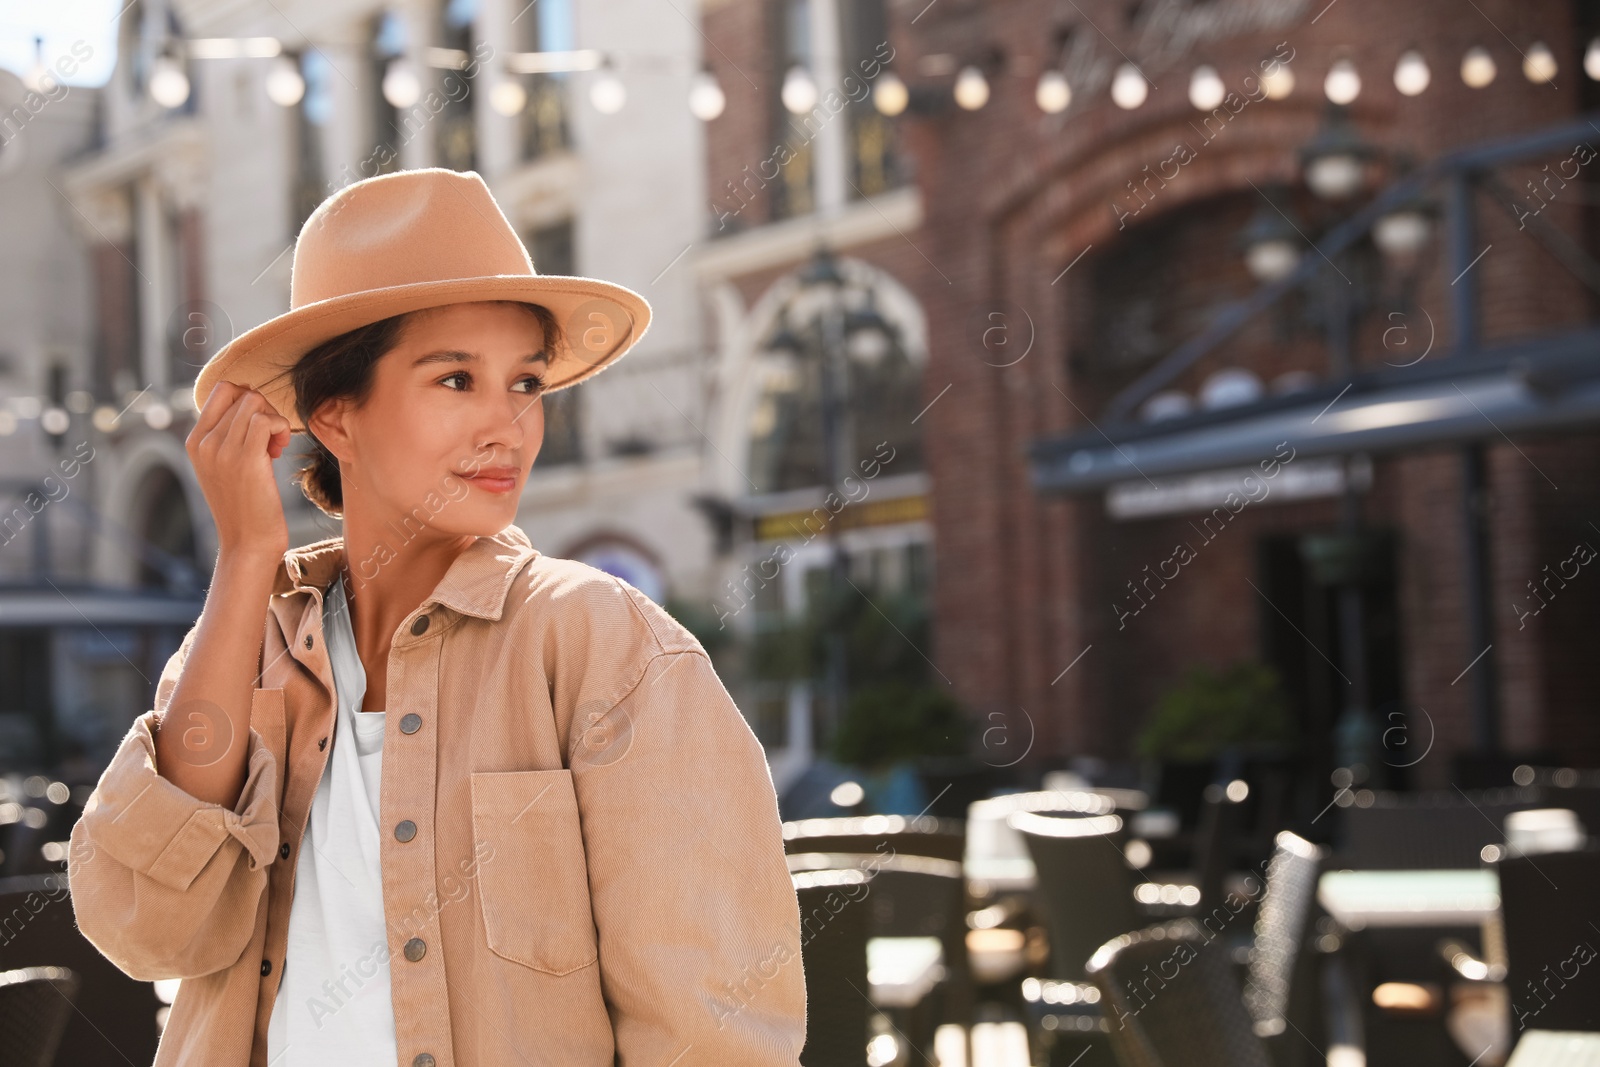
[600, 322]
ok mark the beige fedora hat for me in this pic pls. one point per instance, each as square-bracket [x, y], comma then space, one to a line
[411, 240]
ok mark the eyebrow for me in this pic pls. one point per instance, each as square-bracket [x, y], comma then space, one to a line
[456, 355]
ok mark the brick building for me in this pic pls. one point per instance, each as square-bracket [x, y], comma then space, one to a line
[1111, 236]
[1069, 262]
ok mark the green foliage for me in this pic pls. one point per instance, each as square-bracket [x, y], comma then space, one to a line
[1209, 710]
[895, 720]
[700, 621]
[896, 709]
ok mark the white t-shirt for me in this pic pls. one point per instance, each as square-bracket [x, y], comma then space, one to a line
[334, 1007]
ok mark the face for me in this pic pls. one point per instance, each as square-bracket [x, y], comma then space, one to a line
[452, 425]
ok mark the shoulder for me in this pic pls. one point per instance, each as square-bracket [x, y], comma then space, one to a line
[581, 601]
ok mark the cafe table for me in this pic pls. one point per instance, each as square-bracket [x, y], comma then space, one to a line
[1359, 899]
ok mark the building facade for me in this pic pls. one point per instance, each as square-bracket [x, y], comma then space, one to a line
[1098, 241]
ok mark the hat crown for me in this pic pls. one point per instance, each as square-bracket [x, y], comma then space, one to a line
[413, 226]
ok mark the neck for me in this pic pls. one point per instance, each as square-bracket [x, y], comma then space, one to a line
[391, 568]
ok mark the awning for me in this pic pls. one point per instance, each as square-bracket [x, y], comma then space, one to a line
[1551, 384]
[45, 606]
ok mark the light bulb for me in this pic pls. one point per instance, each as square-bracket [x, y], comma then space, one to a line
[508, 96]
[1539, 65]
[401, 86]
[285, 85]
[1411, 73]
[607, 93]
[1053, 94]
[1206, 89]
[972, 88]
[706, 98]
[1278, 82]
[1591, 60]
[169, 85]
[1477, 67]
[1128, 87]
[1343, 83]
[799, 90]
[890, 96]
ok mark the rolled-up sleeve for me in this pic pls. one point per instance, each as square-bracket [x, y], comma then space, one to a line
[164, 884]
[697, 918]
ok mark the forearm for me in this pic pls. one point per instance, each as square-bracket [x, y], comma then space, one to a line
[202, 743]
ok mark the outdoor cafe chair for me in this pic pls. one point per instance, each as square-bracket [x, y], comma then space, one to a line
[917, 972]
[1085, 887]
[35, 1005]
[1170, 999]
[1548, 905]
[1430, 831]
[1280, 929]
[116, 1016]
[834, 927]
[1553, 1048]
[904, 835]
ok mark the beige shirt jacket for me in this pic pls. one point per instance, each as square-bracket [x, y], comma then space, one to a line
[582, 854]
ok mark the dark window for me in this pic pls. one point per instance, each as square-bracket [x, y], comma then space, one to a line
[457, 143]
[545, 27]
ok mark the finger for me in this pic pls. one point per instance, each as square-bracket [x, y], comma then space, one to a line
[280, 441]
[257, 432]
[218, 438]
[250, 405]
[217, 404]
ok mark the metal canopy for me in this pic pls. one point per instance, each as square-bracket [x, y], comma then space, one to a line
[44, 606]
[1551, 384]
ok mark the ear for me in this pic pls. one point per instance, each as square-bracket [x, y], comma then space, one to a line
[329, 424]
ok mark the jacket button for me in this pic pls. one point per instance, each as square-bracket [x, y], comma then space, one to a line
[308, 640]
[422, 1060]
[283, 850]
[404, 830]
[420, 626]
[415, 948]
[410, 723]
[322, 744]
[266, 968]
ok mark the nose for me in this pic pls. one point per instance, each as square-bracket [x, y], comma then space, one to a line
[505, 422]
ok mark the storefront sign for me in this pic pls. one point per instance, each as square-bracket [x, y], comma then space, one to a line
[1301, 480]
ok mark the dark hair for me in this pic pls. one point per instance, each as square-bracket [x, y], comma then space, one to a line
[341, 368]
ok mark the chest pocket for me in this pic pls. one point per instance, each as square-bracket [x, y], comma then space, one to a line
[534, 887]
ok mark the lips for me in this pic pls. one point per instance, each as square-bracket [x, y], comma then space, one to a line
[495, 479]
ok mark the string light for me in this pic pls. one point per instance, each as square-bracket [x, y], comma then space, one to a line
[1539, 65]
[972, 88]
[1053, 94]
[1343, 83]
[706, 98]
[799, 91]
[1411, 73]
[1128, 87]
[285, 84]
[1277, 81]
[169, 85]
[1477, 67]
[890, 95]
[606, 92]
[1206, 89]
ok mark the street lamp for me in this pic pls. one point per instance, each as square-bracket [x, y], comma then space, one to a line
[1335, 162]
[1270, 240]
[832, 333]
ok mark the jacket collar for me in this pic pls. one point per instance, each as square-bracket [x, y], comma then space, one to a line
[476, 583]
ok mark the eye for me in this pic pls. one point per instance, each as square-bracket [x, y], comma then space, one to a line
[538, 383]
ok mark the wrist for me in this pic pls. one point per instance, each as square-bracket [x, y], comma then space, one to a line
[247, 557]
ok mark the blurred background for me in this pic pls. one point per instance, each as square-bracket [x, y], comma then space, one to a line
[1132, 461]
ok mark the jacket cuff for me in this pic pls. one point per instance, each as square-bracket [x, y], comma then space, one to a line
[155, 828]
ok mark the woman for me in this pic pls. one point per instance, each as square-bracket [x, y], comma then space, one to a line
[461, 803]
